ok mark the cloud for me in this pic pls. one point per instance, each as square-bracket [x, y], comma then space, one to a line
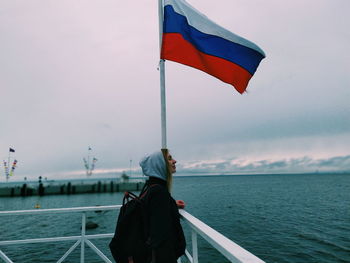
[336, 163]
[304, 164]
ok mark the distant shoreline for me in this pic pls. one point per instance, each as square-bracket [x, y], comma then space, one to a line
[179, 175]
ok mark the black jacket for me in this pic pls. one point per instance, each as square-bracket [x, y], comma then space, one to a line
[166, 236]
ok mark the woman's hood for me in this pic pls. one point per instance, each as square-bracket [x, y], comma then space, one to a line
[154, 165]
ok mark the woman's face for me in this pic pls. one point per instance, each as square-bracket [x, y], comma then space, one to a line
[172, 163]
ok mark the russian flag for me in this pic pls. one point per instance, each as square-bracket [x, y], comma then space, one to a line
[190, 38]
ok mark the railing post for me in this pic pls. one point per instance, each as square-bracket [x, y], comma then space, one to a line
[194, 247]
[83, 224]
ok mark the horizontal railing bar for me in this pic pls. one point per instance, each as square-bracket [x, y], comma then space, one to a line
[38, 240]
[53, 239]
[227, 247]
[98, 236]
[60, 210]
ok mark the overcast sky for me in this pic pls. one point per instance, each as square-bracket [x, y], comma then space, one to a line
[80, 73]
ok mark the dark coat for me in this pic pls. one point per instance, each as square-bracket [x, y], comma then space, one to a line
[166, 236]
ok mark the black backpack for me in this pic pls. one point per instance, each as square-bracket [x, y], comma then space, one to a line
[129, 243]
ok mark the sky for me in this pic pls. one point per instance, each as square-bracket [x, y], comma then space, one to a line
[83, 73]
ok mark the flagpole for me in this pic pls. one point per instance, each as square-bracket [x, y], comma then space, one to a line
[89, 168]
[162, 77]
[8, 163]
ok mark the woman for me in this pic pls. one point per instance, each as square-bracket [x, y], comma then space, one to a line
[166, 236]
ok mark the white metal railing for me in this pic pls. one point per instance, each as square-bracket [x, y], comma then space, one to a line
[232, 251]
[228, 248]
[80, 240]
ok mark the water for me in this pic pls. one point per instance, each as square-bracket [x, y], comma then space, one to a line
[279, 218]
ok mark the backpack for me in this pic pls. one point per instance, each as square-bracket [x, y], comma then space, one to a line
[129, 244]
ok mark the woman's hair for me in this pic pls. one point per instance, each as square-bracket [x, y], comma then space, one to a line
[169, 176]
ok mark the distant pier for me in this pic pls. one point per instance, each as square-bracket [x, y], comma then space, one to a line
[69, 188]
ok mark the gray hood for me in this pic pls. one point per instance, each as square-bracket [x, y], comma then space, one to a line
[154, 165]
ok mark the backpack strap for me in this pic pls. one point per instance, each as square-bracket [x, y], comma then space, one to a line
[130, 195]
[145, 189]
[127, 196]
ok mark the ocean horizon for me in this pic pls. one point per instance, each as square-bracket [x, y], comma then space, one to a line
[117, 176]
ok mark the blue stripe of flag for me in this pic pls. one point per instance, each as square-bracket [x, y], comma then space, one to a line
[243, 56]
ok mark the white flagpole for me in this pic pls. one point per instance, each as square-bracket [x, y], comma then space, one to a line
[162, 77]
[89, 166]
[8, 166]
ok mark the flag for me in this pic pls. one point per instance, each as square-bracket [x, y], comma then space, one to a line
[190, 38]
[11, 150]
[13, 165]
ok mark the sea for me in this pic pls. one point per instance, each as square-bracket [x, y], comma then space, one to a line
[296, 218]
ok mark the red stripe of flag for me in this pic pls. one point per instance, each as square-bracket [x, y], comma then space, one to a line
[176, 48]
